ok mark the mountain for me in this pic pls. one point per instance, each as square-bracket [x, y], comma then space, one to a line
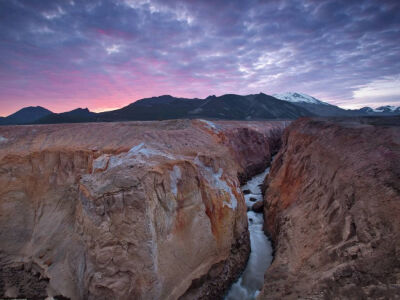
[295, 97]
[250, 107]
[156, 108]
[387, 110]
[74, 116]
[315, 106]
[229, 106]
[324, 109]
[366, 110]
[289, 105]
[25, 115]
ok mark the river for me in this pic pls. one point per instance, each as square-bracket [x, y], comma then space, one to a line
[250, 283]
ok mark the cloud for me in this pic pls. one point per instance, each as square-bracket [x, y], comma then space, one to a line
[388, 87]
[113, 49]
[97, 53]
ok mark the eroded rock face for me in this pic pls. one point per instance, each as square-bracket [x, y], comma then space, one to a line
[139, 210]
[332, 207]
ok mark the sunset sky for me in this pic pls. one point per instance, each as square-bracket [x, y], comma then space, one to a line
[106, 54]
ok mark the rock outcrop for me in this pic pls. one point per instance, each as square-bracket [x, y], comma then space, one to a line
[332, 208]
[258, 207]
[139, 210]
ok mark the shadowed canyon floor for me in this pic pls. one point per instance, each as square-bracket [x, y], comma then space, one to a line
[137, 210]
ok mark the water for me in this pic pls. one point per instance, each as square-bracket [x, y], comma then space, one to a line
[250, 283]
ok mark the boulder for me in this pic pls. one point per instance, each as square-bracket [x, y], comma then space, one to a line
[258, 207]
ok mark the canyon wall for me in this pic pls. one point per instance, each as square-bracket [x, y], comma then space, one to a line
[135, 210]
[332, 209]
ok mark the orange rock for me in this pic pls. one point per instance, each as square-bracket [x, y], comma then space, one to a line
[332, 208]
[135, 210]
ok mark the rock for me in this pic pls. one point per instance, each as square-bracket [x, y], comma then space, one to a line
[252, 141]
[135, 210]
[252, 199]
[258, 207]
[333, 202]
[246, 192]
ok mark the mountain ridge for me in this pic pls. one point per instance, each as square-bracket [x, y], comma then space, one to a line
[25, 115]
[290, 105]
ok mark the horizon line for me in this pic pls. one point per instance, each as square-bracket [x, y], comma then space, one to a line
[108, 109]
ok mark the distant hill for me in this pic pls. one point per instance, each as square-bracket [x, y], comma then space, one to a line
[155, 108]
[229, 106]
[290, 105]
[74, 116]
[26, 115]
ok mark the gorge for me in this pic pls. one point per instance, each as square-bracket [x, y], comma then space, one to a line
[250, 282]
[138, 210]
[154, 210]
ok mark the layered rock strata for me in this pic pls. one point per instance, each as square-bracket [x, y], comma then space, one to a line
[332, 207]
[136, 210]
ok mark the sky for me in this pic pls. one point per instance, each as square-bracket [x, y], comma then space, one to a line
[103, 55]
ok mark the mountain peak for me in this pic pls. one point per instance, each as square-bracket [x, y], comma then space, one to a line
[27, 115]
[299, 97]
[385, 108]
[79, 109]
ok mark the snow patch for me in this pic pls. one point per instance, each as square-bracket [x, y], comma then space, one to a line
[196, 111]
[298, 97]
[3, 139]
[386, 108]
[120, 160]
[137, 154]
[210, 124]
[141, 149]
[100, 163]
[136, 148]
[215, 179]
[175, 176]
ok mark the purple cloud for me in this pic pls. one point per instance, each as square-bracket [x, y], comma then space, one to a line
[106, 54]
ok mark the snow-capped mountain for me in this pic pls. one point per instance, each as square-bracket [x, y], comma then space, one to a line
[320, 108]
[386, 108]
[313, 105]
[298, 98]
[367, 110]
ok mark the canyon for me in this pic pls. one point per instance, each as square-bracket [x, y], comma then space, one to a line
[136, 210]
[332, 207]
[159, 209]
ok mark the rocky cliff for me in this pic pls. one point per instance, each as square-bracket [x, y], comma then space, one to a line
[333, 210]
[138, 210]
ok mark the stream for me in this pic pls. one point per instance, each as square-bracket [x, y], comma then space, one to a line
[250, 283]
